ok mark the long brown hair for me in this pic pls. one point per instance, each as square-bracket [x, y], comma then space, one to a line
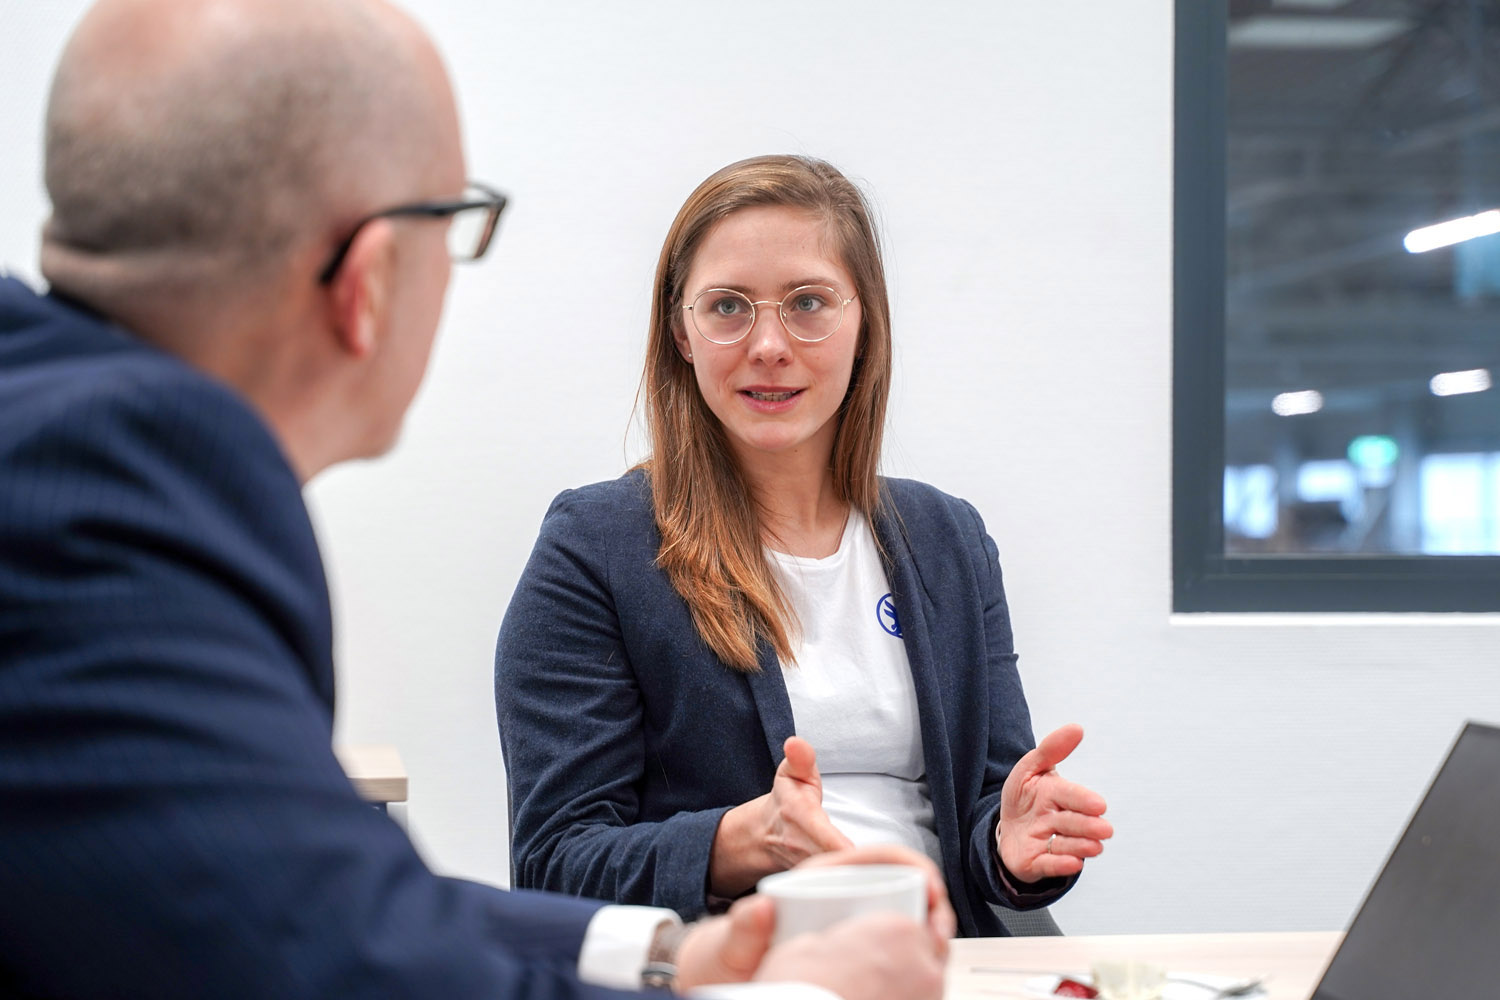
[710, 526]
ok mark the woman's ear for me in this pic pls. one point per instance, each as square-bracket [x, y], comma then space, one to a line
[360, 289]
[680, 338]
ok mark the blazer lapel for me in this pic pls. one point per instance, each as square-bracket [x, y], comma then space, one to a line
[771, 702]
[913, 612]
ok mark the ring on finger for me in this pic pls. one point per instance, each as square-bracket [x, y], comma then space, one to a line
[1049, 842]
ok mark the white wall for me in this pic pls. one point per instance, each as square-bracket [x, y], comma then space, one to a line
[1020, 155]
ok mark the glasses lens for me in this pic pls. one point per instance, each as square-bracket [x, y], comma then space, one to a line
[722, 316]
[467, 231]
[812, 312]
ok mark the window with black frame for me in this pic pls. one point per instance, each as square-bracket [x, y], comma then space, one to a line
[1337, 282]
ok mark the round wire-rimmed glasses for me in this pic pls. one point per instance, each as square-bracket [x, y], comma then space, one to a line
[810, 313]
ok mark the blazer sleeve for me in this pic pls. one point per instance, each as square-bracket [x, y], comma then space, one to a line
[572, 727]
[174, 823]
[1010, 736]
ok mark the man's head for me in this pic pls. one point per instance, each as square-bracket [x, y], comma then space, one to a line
[205, 158]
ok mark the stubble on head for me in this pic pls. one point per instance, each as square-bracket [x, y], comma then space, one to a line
[193, 147]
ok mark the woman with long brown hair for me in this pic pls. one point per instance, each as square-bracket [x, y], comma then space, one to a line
[753, 648]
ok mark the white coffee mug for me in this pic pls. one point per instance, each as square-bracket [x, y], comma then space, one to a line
[810, 899]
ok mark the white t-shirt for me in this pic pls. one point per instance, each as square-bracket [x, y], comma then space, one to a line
[852, 694]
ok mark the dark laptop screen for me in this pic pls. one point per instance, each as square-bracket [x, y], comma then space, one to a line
[1430, 926]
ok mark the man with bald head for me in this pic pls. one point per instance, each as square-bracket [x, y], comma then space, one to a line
[199, 155]
[255, 205]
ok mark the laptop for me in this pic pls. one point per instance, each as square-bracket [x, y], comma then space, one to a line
[1430, 925]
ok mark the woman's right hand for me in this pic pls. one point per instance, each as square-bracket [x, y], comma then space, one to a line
[777, 830]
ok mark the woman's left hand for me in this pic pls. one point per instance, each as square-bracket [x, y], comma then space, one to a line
[1048, 824]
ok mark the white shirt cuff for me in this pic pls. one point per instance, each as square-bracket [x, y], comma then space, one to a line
[619, 937]
[616, 942]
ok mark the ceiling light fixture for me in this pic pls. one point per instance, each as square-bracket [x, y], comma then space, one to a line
[1303, 32]
[1293, 404]
[1458, 383]
[1445, 234]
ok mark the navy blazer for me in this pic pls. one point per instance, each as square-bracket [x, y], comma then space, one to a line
[626, 739]
[173, 822]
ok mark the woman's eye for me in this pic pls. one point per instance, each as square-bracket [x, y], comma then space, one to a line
[808, 303]
[727, 306]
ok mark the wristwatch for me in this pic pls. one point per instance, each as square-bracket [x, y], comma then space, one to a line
[660, 971]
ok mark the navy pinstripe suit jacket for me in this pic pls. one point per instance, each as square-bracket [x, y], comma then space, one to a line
[172, 821]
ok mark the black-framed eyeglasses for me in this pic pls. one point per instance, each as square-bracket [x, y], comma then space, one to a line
[472, 221]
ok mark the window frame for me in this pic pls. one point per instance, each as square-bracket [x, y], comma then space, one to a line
[1204, 578]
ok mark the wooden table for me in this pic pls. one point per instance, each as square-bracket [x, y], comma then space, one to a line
[989, 968]
[375, 771]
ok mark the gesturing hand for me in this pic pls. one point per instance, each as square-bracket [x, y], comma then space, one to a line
[1048, 824]
[796, 827]
[775, 831]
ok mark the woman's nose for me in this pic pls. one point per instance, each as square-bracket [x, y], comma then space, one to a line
[769, 339]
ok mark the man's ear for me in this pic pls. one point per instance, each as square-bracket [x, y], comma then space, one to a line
[360, 290]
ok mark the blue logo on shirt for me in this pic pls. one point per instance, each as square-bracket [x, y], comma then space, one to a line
[885, 613]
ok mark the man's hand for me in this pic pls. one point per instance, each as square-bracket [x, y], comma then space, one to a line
[879, 956]
[735, 947]
[726, 949]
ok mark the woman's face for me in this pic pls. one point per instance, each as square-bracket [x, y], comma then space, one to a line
[777, 396]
